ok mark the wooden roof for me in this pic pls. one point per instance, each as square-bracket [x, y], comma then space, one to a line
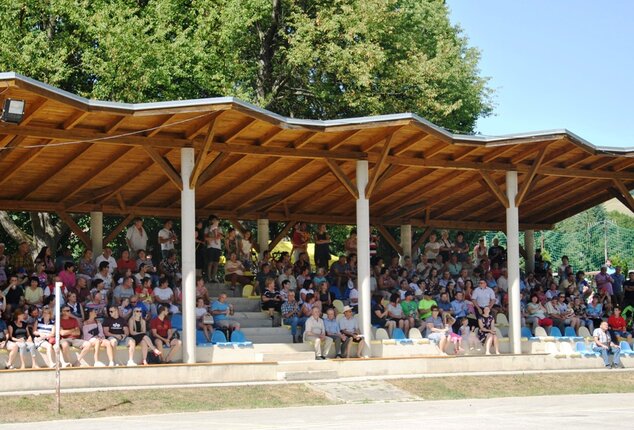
[73, 155]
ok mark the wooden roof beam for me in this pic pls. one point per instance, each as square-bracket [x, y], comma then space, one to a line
[378, 167]
[435, 150]
[159, 127]
[213, 168]
[14, 143]
[343, 139]
[625, 192]
[202, 155]
[401, 148]
[53, 171]
[118, 229]
[496, 152]
[389, 238]
[281, 235]
[422, 238]
[70, 222]
[34, 107]
[495, 189]
[165, 166]
[75, 119]
[114, 125]
[467, 152]
[528, 179]
[24, 160]
[263, 204]
[342, 177]
[530, 151]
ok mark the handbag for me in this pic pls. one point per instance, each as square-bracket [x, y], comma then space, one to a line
[208, 319]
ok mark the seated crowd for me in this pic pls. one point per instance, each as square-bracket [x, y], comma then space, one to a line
[452, 294]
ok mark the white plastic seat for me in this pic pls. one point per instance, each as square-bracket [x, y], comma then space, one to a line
[501, 320]
[381, 334]
[414, 333]
[584, 332]
[540, 332]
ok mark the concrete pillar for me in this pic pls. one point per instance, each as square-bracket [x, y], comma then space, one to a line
[188, 256]
[263, 235]
[96, 232]
[513, 263]
[529, 246]
[363, 251]
[406, 241]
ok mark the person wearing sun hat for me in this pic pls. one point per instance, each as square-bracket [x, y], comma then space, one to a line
[351, 332]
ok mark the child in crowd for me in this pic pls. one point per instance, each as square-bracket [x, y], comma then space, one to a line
[468, 334]
[454, 338]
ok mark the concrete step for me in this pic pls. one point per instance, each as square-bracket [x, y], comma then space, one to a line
[266, 331]
[289, 356]
[252, 319]
[241, 304]
[283, 347]
[272, 338]
[307, 375]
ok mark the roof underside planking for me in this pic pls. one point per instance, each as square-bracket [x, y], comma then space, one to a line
[74, 155]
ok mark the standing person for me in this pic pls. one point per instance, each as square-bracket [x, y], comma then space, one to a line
[350, 243]
[299, 240]
[603, 345]
[200, 247]
[480, 252]
[213, 239]
[617, 286]
[136, 236]
[604, 281]
[22, 259]
[322, 247]
[4, 262]
[167, 238]
[164, 335]
[246, 245]
[231, 243]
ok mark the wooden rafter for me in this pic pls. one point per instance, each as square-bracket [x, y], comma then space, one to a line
[165, 166]
[270, 136]
[402, 185]
[75, 119]
[282, 234]
[342, 177]
[289, 172]
[422, 238]
[528, 152]
[343, 139]
[14, 143]
[88, 178]
[237, 225]
[159, 127]
[304, 140]
[435, 150]
[118, 229]
[379, 166]
[409, 143]
[387, 136]
[114, 125]
[466, 152]
[29, 115]
[144, 196]
[528, 179]
[497, 152]
[70, 222]
[389, 238]
[240, 128]
[213, 169]
[209, 138]
[625, 192]
[121, 202]
[58, 169]
[263, 204]
[495, 189]
[24, 160]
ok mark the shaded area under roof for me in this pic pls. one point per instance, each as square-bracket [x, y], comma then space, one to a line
[72, 155]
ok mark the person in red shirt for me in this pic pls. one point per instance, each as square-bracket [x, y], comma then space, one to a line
[70, 336]
[163, 335]
[618, 327]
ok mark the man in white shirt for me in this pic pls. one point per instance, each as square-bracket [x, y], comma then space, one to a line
[136, 237]
[603, 345]
[107, 257]
[167, 238]
[350, 329]
[315, 333]
[482, 297]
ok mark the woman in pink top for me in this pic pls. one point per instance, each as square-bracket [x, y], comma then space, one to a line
[67, 276]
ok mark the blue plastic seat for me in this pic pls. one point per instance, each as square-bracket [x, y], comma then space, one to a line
[569, 333]
[177, 321]
[200, 337]
[581, 349]
[398, 334]
[218, 337]
[626, 349]
[526, 332]
[239, 339]
[555, 332]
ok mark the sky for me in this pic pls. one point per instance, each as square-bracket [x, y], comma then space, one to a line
[555, 64]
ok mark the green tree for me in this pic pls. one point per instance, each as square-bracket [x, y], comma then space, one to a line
[306, 58]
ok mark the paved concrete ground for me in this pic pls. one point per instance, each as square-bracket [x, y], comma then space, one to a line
[579, 412]
[368, 391]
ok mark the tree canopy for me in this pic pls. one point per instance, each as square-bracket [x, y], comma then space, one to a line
[313, 59]
[318, 59]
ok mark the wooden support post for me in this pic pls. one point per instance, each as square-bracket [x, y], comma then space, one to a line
[70, 222]
[237, 225]
[165, 166]
[123, 224]
[495, 188]
[282, 234]
[389, 239]
[342, 177]
[528, 179]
